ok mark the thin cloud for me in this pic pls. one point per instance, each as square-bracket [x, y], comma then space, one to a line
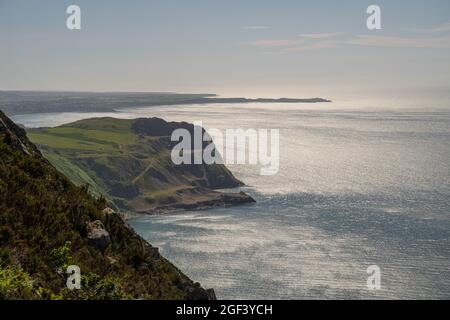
[442, 28]
[316, 46]
[276, 43]
[398, 42]
[322, 35]
[305, 44]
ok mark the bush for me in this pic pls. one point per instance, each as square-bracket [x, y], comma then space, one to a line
[61, 257]
[93, 287]
[15, 284]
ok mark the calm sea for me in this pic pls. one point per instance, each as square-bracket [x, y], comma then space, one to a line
[355, 188]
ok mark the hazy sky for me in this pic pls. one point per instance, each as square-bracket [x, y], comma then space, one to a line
[246, 47]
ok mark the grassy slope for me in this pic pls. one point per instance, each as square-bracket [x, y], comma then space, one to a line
[64, 145]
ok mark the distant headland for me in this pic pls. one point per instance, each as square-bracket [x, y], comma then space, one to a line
[26, 102]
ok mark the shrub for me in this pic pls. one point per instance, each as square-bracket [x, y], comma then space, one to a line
[61, 257]
[15, 284]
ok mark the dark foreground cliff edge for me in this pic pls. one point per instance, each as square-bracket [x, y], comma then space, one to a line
[48, 223]
[128, 161]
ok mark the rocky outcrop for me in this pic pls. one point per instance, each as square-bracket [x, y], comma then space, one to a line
[206, 200]
[15, 136]
[97, 235]
[108, 211]
[196, 292]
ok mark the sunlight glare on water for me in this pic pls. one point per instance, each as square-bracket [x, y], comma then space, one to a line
[355, 188]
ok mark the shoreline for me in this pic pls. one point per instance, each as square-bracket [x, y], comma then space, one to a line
[220, 200]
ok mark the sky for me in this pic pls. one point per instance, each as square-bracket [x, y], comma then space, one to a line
[282, 48]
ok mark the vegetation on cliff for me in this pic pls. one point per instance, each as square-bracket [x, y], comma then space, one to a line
[46, 224]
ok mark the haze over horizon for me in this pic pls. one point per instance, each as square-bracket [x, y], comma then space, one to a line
[121, 178]
[251, 49]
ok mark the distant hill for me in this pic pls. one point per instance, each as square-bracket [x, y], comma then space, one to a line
[47, 223]
[26, 102]
[129, 162]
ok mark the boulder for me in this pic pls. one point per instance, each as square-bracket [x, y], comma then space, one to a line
[97, 235]
[108, 210]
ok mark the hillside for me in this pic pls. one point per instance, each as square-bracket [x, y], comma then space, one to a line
[129, 162]
[47, 223]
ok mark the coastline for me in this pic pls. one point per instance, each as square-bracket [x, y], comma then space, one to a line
[16, 103]
[219, 200]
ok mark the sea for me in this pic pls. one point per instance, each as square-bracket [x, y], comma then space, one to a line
[357, 190]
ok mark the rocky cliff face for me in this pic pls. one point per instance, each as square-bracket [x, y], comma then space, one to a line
[47, 223]
[16, 137]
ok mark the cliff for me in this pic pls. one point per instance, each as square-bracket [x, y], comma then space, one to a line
[48, 223]
[129, 162]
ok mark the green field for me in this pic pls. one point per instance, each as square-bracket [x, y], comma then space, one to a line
[102, 135]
